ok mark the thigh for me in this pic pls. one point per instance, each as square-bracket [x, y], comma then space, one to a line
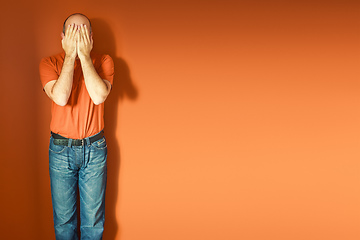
[63, 181]
[92, 184]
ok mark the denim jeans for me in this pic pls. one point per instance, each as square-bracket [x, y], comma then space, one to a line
[84, 168]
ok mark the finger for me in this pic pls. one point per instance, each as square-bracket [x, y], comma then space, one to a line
[78, 37]
[81, 30]
[83, 33]
[72, 31]
[67, 31]
[81, 38]
[86, 33]
[76, 31]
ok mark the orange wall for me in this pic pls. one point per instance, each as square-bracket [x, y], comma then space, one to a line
[228, 119]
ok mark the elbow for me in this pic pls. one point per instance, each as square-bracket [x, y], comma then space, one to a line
[60, 102]
[100, 98]
[98, 101]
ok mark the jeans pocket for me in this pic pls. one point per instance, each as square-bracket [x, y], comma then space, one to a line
[100, 144]
[56, 148]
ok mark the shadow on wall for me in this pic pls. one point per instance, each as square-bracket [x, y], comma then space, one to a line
[104, 42]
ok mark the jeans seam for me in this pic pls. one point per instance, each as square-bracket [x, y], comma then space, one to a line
[59, 151]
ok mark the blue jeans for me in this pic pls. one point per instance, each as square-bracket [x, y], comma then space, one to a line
[84, 168]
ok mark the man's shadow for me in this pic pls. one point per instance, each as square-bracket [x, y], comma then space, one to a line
[123, 88]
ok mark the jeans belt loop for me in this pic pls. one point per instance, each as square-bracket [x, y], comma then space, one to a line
[87, 141]
[69, 142]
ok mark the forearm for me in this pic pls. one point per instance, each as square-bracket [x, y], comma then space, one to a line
[61, 90]
[96, 87]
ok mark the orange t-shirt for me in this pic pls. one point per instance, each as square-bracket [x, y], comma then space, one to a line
[80, 117]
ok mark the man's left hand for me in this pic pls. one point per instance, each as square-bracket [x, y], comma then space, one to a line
[84, 42]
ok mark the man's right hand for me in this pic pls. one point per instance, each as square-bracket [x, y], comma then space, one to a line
[69, 41]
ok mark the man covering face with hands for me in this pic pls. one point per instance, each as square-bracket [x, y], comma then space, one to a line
[77, 40]
[77, 81]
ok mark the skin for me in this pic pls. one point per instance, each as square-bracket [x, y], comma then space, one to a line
[77, 43]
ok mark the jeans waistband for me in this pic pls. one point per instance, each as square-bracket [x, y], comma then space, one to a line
[60, 140]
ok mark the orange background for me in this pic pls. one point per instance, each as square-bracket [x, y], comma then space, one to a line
[227, 120]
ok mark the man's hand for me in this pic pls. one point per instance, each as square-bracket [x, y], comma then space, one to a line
[84, 43]
[69, 41]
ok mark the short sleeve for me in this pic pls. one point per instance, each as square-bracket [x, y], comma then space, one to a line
[47, 71]
[106, 69]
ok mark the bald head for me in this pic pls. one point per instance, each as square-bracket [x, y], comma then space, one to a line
[77, 19]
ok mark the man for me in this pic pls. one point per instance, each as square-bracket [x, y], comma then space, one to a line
[78, 82]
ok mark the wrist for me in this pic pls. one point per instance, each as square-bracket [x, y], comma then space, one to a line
[70, 55]
[69, 59]
[85, 57]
